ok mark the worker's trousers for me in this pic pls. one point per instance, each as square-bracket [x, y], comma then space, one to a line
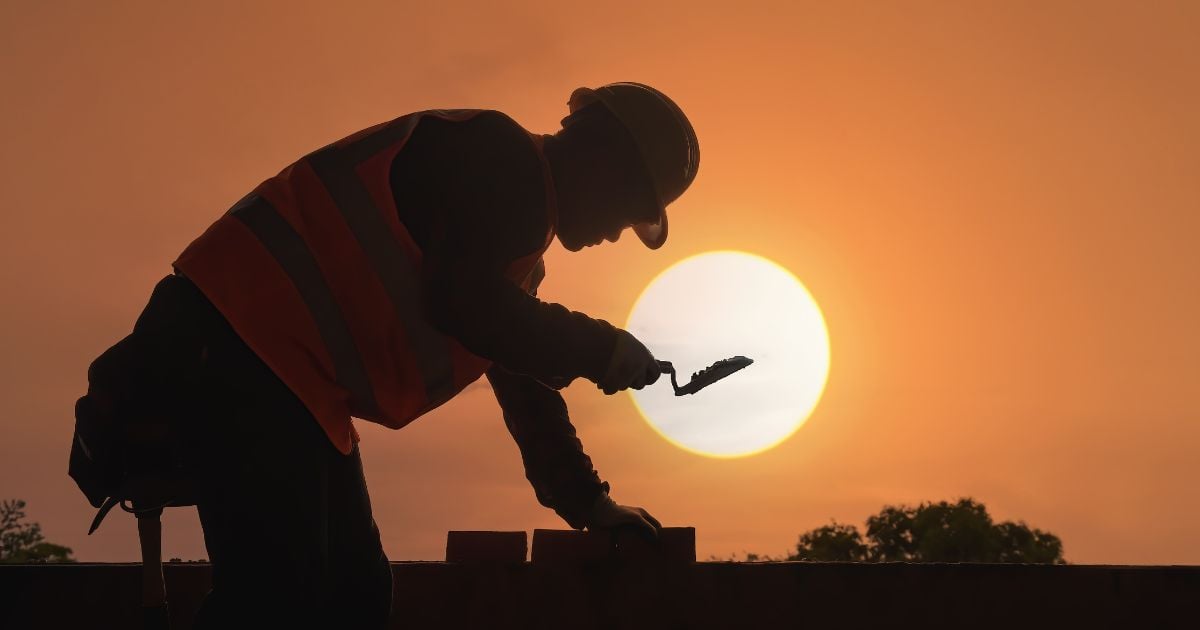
[287, 519]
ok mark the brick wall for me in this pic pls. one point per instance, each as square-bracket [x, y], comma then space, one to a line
[663, 588]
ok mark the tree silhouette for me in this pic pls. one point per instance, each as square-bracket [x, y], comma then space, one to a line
[831, 542]
[23, 542]
[931, 532]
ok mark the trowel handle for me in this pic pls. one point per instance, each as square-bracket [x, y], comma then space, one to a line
[707, 376]
[668, 368]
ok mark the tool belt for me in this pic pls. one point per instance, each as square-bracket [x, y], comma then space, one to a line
[127, 448]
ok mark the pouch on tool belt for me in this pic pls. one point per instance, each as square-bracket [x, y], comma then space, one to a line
[125, 449]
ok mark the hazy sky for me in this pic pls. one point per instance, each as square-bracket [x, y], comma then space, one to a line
[995, 204]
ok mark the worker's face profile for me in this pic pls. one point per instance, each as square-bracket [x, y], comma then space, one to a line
[603, 217]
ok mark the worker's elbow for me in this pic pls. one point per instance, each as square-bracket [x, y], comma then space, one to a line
[461, 310]
[443, 311]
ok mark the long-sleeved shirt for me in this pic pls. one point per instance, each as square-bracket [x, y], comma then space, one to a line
[472, 196]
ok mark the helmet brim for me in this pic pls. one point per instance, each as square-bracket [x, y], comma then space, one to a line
[653, 235]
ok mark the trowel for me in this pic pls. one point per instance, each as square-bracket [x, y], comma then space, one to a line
[707, 376]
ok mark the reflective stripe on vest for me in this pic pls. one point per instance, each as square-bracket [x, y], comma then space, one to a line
[289, 250]
[334, 165]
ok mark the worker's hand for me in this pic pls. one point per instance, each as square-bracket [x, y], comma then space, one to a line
[607, 514]
[631, 365]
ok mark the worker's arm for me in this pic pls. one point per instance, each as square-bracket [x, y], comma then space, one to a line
[482, 204]
[561, 473]
[494, 318]
[555, 465]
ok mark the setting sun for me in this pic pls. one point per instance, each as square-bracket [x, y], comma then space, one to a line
[720, 304]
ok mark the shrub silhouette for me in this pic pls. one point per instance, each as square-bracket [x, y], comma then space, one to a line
[23, 542]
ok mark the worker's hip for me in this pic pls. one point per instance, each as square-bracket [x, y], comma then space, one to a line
[175, 392]
[226, 393]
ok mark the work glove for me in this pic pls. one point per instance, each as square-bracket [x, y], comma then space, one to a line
[631, 365]
[606, 514]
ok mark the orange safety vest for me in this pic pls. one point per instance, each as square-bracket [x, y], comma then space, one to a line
[316, 273]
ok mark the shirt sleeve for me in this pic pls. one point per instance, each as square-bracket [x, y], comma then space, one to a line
[474, 198]
[561, 474]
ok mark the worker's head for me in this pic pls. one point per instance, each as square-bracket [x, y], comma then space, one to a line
[625, 151]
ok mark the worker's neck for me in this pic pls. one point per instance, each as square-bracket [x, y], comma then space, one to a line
[563, 170]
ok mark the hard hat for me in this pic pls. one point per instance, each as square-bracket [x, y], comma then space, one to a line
[665, 139]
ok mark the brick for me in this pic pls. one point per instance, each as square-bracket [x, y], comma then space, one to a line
[674, 545]
[568, 546]
[486, 547]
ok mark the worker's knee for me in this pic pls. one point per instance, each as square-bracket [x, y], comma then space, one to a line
[375, 593]
[381, 594]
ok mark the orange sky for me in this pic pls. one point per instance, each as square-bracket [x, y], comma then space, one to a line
[997, 207]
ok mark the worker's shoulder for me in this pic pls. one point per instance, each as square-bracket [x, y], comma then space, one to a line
[488, 145]
[486, 141]
[496, 135]
[485, 162]
[496, 121]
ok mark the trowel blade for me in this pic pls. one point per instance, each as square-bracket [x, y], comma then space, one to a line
[713, 373]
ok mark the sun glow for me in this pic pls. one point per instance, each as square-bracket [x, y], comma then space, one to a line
[723, 303]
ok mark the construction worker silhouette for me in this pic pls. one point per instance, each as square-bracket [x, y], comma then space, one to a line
[375, 278]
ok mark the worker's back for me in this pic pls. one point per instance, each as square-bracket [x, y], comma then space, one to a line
[321, 279]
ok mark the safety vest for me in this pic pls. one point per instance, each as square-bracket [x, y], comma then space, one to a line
[316, 273]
